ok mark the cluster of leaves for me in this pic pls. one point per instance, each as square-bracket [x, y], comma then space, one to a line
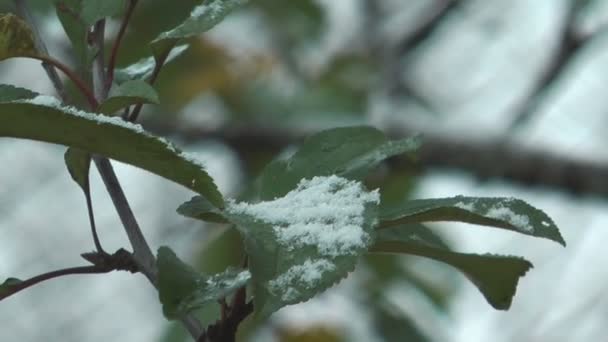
[278, 273]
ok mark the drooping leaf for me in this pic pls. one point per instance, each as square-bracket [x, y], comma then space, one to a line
[12, 93]
[127, 94]
[347, 151]
[495, 276]
[16, 38]
[202, 18]
[45, 119]
[508, 213]
[143, 68]
[198, 207]
[181, 289]
[308, 240]
[78, 163]
[94, 10]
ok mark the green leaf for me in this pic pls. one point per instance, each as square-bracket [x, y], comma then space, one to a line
[127, 94]
[303, 243]
[6, 286]
[202, 18]
[78, 163]
[495, 276]
[349, 152]
[198, 207]
[45, 119]
[508, 213]
[94, 10]
[16, 38]
[181, 289]
[69, 14]
[12, 93]
[143, 68]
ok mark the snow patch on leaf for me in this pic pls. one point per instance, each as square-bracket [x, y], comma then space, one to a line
[325, 212]
[501, 212]
[53, 102]
[306, 275]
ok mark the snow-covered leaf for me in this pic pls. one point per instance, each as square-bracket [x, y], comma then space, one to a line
[182, 289]
[508, 213]
[78, 163]
[301, 244]
[93, 10]
[16, 38]
[12, 93]
[496, 276]
[127, 94]
[198, 207]
[202, 18]
[43, 118]
[349, 152]
[143, 68]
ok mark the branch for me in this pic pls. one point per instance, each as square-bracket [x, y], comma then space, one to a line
[142, 256]
[141, 251]
[484, 159]
[102, 263]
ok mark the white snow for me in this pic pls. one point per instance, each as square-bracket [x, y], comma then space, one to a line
[221, 282]
[326, 212]
[306, 275]
[214, 8]
[53, 102]
[466, 206]
[144, 67]
[500, 212]
[195, 158]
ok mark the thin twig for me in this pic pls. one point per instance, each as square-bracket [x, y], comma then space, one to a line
[50, 275]
[23, 12]
[116, 45]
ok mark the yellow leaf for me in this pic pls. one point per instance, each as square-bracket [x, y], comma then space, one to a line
[16, 38]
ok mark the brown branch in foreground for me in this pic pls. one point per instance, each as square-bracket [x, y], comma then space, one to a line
[483, 159]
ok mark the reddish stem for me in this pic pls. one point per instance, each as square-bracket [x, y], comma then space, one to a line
[117, 41]
[80, 84]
